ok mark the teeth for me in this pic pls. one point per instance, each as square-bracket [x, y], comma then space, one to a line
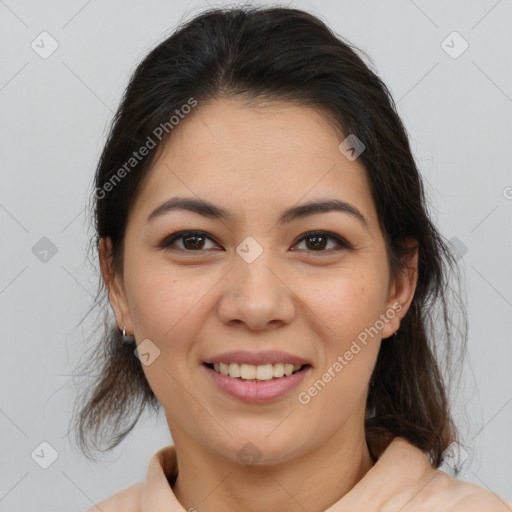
[259, 372]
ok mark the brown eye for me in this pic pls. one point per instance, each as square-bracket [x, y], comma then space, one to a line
[191, 241]
[317, 241]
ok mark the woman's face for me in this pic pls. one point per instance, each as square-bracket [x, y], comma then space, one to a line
[254, 281]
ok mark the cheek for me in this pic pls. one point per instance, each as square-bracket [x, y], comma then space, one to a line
[347, 306]
[160, 309]
[168, 308]
[346, 311]
[345, 302]
[164, 302]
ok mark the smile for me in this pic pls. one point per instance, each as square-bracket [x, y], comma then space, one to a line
[248, 387]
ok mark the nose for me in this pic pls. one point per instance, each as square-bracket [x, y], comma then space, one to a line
[257, 294]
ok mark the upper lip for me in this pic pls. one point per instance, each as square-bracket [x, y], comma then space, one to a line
[257, 358]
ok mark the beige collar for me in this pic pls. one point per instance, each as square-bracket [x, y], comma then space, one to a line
[400, 474]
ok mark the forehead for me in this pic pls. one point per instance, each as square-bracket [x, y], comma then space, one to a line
[260, 157]
[266, 129]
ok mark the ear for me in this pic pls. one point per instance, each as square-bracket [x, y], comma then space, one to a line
[401, 292]
[115, 286]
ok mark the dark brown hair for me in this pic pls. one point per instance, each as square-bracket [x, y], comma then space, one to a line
[281, 54]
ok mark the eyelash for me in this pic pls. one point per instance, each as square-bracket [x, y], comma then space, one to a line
[168, 241]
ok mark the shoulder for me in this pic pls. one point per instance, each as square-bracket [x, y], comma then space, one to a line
[127, 500]
[444, 492]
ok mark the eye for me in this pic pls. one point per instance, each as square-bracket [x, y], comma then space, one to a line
[318, 240]
[191, 241]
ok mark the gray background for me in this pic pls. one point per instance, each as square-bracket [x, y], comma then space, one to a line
[55, 113]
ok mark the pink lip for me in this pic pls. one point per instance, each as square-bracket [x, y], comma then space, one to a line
[256, 358]
[259, 391]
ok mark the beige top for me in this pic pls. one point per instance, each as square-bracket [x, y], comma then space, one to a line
[402, 480]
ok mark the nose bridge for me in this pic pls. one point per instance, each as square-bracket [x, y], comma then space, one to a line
[255, 293]
[255, 274]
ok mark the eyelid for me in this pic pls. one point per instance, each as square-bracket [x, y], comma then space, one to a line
[167, 242]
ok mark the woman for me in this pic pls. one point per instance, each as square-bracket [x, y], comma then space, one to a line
[263, 237]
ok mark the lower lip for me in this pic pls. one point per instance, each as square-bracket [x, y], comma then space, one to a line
[259, 391]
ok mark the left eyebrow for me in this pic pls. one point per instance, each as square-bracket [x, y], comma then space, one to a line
[210, 210]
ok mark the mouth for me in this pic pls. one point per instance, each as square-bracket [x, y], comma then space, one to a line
[257, 373]
[264, 383]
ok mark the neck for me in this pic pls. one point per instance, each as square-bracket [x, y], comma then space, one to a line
[313, 481]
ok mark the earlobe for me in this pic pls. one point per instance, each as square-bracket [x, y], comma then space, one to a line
[114, 284]
[401, 291]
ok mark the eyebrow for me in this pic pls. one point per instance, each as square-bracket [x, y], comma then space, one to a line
[209, 210]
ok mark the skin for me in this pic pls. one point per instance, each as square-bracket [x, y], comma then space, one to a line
[255, 161]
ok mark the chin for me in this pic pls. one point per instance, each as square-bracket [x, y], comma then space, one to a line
[261, 449]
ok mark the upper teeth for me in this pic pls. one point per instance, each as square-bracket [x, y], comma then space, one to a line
[260, 372]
